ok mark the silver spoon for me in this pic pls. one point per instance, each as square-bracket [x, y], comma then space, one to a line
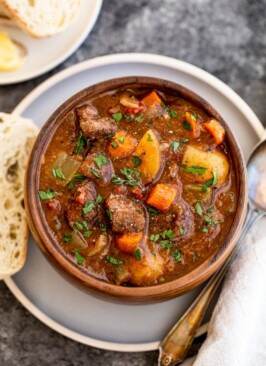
[175, 346]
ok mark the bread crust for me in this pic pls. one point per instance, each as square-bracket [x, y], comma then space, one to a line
[17, 136]
[43, 28]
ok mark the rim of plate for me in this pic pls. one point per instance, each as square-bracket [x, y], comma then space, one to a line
[108, 60]
[87, 29]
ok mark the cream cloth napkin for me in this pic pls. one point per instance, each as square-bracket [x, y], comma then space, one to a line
[237, 330]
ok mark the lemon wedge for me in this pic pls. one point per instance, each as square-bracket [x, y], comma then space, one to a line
[12, 54]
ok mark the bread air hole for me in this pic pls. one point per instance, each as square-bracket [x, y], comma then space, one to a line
[8, 204]
[17, 254]
[12, 171]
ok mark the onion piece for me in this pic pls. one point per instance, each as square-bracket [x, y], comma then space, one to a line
[100, 244]
[68, 166]
[129, 101]
[77, 241]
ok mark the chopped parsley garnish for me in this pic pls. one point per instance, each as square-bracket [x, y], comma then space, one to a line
[211, 182]
[113, 260]
[153, 211]
[154, 237]
[117, 116]
[57, 173]
[175, 146]
[194, 169]
[198, 208]
[137, 254]
[132, 177]
[100, 160]
[166, 244]
[79, 225]
[204, 230]
[71, 186]
[136, 161]
[87, 233]
[110, 134]
[99, 198]
[47, 195]
[193, 117]
[67, 238]
[121, 139]
[150, 123]
[139, 211]
[167, 234]
[139, 117]
[181, 231]
[208, 219]
[109, 214]
[172, 113]
[82, 143]
[89, 206]
[168, 124]
[95, 173]
[127, 116]
[79, 178]
[177, 256]
[114, 144]
[187, 126]
[79, 257]
[149, 137]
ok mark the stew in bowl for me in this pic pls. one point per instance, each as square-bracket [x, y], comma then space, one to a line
[138, 185]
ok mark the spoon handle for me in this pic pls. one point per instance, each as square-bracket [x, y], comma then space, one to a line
[175, 346]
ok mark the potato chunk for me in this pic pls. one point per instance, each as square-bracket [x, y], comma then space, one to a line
[148, 150]
[213, 161]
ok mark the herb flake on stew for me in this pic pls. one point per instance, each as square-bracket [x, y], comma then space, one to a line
[79, 225]
[121, 139]
[47, 195]
[149, 137]
[193, 117]
[67, 238]
[153, 211]
[89, 206]
[150, 123]
[79, 257]
[166, 244]
[95, 173]
[87, 233]
[198, 208]
[113, 260]
[100, 160]
[177, 256]
[57, 173]
[205, 230]
[187, 126]
[172, 113]
[139, 117]
[82, 143]
[211, 182]
[167, 234]
[99, 198]
[181, 230]
[154, 237]
[117, 116]
[175, 146]
[137, 254]
[132, 177]
[80, 178]
[114, 144]
[109, 214]
[136, 161]
[194, 169]
[71, 186]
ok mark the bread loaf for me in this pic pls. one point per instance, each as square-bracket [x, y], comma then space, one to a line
[17, 135]
[41, 18]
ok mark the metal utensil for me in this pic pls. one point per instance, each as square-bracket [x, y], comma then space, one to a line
[175, 346]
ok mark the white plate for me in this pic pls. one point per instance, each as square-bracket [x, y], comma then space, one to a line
[45, 54]
[38, 287]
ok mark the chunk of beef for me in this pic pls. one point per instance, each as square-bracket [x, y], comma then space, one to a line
[102, 172]
[183, 218]
[93, 126]
[83, 195]
[125, 214]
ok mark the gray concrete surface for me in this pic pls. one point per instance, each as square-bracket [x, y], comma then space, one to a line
[228, 39]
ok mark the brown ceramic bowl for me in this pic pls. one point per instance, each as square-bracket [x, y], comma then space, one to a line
[77, 274]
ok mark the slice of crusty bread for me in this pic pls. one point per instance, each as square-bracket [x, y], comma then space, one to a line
[41, 18]
[17, 135]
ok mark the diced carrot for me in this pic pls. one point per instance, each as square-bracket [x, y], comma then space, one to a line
[129, 242]
[162, 196]
[192, 119]
[215, 129]
[151, 98]
[122, 145]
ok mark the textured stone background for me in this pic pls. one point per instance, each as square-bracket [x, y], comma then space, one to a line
[226, 38]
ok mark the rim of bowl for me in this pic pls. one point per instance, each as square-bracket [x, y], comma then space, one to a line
[55, 253]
